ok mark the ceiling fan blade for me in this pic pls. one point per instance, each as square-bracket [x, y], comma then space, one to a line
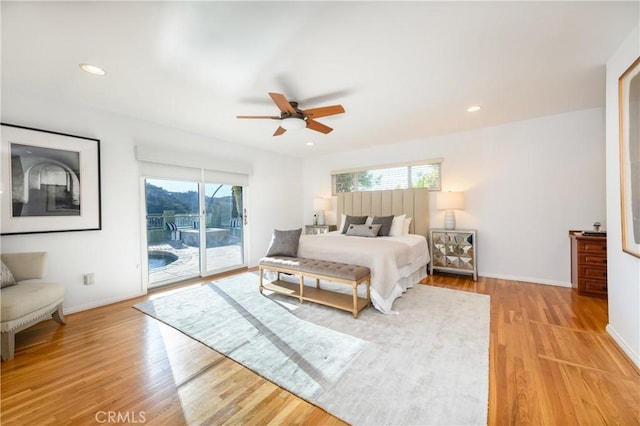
[282, 102]
[279, 131]
[321, 99]
[273, 117]
[323, 111]
[317, 126]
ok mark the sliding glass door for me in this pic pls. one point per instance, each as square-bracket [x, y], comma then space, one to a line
[224, 225]
[184, 243]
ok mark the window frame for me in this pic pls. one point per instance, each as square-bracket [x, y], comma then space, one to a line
[369, 169]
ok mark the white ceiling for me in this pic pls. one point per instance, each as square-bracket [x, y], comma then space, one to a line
[401, 70]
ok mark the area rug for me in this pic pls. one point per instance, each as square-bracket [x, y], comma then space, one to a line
[426, 365]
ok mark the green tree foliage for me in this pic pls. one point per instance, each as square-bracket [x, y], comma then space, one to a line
[236, 209]
[427, 181]
[346, 182]
[159, 200]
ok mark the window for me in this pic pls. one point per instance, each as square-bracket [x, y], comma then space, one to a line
[424, 174]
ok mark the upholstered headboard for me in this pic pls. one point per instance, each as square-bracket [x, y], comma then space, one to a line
[413, 202]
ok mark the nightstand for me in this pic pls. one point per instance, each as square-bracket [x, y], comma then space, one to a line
[453, 250]
[319, 229]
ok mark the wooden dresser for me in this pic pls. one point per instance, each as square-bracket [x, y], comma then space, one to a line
[589, 263]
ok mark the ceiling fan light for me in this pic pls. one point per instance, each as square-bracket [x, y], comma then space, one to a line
[293, 123]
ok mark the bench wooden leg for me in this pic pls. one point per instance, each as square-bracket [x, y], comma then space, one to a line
[355, 300]
[261, 279]
[301, 288]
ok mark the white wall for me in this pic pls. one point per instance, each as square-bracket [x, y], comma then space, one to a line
[623, 270]
[114, 253]
[526, 183]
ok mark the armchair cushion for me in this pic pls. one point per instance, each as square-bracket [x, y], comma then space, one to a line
[30, 296]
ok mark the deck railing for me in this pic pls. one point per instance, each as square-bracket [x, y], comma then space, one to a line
[157, 229]
[182, 220]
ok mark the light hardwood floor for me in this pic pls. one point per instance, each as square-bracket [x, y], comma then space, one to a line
[551, 363]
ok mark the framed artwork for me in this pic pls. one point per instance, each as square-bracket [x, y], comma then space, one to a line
[50, 182]
[629, 111]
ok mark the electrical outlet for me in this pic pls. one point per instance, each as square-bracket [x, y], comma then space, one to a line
[89, 278]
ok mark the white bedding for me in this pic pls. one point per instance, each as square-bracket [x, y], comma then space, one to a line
[390, 259]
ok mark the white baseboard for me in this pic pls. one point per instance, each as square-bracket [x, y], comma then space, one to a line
[635, 358]
[525, 279]
[99, 303]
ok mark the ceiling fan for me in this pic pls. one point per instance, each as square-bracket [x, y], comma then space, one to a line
[291, 117]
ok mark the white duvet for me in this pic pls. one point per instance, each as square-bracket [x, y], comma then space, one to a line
[390, 259]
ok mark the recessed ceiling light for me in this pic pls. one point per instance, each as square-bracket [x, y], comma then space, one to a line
[309, 144]
[474, 108]
[92, 69]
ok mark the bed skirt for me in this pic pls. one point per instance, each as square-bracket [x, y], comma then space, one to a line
[411, 275]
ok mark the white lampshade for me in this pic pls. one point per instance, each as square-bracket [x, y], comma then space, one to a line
[450, 200]
[322, 204]
[293, 123]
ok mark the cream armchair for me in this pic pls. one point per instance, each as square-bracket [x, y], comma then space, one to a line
[28, 302]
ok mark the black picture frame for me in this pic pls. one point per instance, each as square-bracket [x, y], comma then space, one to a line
[50, 182]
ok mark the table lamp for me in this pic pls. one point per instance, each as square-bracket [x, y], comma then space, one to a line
[450, 201]
[320, 205]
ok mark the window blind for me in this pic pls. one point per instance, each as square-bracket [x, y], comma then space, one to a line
[180, 165]
[422, 174]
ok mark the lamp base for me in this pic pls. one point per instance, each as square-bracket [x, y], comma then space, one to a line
[321, 219]
[449, 220]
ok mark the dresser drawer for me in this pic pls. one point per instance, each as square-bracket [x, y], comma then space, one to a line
[589, 258]
[592, 272]
[592, 245]
[594, 286]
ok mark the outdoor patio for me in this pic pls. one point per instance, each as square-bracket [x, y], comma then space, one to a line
[188, 263]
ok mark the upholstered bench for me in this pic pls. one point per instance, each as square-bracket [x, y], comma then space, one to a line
[335, 272]
[30, 300]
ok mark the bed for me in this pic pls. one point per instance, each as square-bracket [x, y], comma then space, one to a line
[396, 262]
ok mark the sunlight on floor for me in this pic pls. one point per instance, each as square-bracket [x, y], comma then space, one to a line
[190, 368]
[168, 292]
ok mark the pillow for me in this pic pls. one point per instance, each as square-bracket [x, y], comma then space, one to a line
[397, 226]
[284, 243]
[353, 220]
[407, 223]
[363, 230]
[343, 218]
[6, 277]
[385, 221]
[368, 221]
